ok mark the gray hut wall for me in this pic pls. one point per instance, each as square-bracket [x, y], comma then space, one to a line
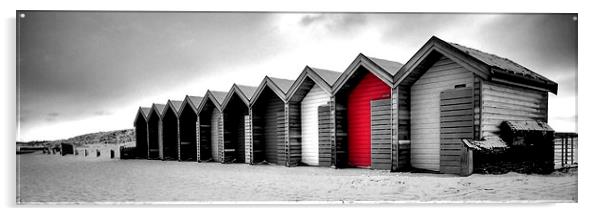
[141, 138]
[380, 134]
[206, 137]
[154, 136]
[444, 74]
[234, 130]
[294, 125]
[400, 99]
[268, 129]
[188, 134]
[324, 134]
[170, 135]
[501, 102]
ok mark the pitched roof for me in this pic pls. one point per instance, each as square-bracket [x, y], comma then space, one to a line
[485, 65]
[145, 111]
[219, 96]
[159, 108]
[176, 104]
[283, 84]
[248, 91]
[499, 62]
[196, 101]
[527, 125]
[329, 76]
[390, 67]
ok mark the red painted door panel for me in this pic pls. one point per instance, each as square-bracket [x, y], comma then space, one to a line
[358, 116]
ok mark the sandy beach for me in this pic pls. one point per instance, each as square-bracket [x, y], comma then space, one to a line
[52, 178]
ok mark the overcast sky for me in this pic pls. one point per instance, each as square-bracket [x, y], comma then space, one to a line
[85, 72]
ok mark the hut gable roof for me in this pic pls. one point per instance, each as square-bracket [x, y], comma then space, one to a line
[283, 84]
[279, 86]
[309, 74]
[504, 64]
[216, 97]
[247, 90]
[527, 125]
[142, 111]
[327, 75]
[175, 106]
[390, 67]
[486, 65]
[244, 93]
[158, 108]
[383, 69]
[192, 101]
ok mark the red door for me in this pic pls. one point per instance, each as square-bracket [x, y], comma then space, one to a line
[358, 117]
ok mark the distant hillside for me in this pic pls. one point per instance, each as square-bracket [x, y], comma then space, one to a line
[108, 137]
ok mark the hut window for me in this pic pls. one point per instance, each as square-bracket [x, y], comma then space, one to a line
[460, 86]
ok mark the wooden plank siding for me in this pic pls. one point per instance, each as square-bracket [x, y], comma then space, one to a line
[309, 124]
[268, 129]
[248, 139]
[502, 102]
[339, 147]
[454, 103]
[293, 150]
[401, 158]
[425, 103]
[380, 133]
[324, 132]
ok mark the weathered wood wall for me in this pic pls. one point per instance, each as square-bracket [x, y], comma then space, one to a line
[141, 138]
[457, 122]
[380, 133]
[188, 135]
[324, 134]
[170, 135]
[502, 102]
[444, 74]
[248, 139]
[293, 149]
[268, 129]
[309, 124]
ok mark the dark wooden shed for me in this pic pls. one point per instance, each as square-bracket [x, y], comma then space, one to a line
[211, 126]
[188, 129]
[450, 92]
[171, 130]
[141, 131]
[308, 140]
[235, 111]
[267, 116]
[155, 137]
[364, 113]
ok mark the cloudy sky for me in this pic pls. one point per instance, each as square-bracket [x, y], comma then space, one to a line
[83, 72]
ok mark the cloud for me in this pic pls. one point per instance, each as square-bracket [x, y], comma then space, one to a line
[334, 23]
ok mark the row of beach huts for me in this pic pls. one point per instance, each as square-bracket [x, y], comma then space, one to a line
[430, 114]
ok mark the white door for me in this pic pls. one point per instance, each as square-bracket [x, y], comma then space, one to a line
[214, 134]
[309, 124]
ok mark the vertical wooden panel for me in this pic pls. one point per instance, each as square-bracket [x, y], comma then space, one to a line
[324, 134]
[248, 139]
[444, 74]
[380, 134]
[294, 151]
[198, 139]
[309, 124]
[456, 122]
